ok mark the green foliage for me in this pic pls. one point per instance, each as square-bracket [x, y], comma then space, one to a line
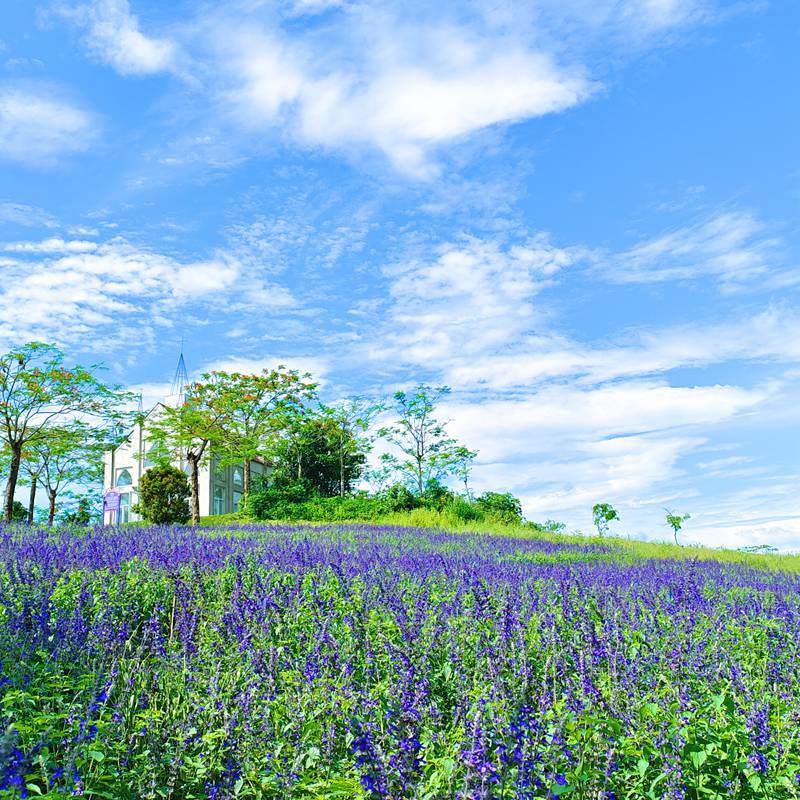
[19, 513]
[602, 515]
[252, 412]
[501, 506]
[319, 453]
[427, 452]
[37, 392]
[163, 496]
[293, 501]
[675, 521]
[548, 526]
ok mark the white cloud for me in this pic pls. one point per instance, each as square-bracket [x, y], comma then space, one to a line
[400, 79]
[475, 297]
[53, 245]
[116, 290]
[564, 448]
[112, 34]
[732, 248]
[317, 366]
[398, 87]
[770, 335]
[38, 125]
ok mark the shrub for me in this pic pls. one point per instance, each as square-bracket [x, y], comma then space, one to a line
[500, 507]
[18, 512]
[164, 496]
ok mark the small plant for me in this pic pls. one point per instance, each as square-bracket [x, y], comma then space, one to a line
[163, 496]
[602, 515]
[675, 521]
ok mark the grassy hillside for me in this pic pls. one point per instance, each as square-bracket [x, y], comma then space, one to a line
[626, 548]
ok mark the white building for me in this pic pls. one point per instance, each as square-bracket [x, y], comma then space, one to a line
[221, 487]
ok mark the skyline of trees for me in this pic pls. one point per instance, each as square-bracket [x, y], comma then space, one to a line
[56, 423]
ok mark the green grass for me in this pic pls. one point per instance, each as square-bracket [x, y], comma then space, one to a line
[633, 548]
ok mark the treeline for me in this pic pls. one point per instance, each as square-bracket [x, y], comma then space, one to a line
[317, 453]
[57, 421]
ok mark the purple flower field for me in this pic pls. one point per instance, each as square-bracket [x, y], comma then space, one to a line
[380, 662]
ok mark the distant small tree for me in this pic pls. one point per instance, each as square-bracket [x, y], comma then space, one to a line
[66, 455]
[461, 459]
[675, 521]
[603, 514]
[164, 496]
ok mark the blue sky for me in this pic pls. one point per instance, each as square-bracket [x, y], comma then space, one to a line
[581, 216]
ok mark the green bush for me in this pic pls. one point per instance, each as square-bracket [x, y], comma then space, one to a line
[164, 496]
[500, 507]
[18, 512]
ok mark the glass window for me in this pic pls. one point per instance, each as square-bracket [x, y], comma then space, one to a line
[123, 478]
[125, 507]
[237, 496]
[238, 476]
[219, 500]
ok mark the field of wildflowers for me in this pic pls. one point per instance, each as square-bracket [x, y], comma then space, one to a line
[383, 662]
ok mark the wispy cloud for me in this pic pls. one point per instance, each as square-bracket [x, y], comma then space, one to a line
[472, 299]
[38, 124]
[116, 290]
[733, 248]
[28, 216]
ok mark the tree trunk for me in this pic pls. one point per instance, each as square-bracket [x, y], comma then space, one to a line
[52, 515]
[246, 476]
[195, 491]
[341, 473]
[11, 481]
[32, 499]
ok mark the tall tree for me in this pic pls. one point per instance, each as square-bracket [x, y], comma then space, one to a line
[252, 410]
[32, 468]
[348, 424]
[314, 455]
[428, 453]
[69, 454]
[185, 432]
[37, 389]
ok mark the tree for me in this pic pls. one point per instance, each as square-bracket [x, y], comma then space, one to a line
[164, 495]
[251, 411]
[185, 432]
[602, 515]
[461, 460]
[348, 423]
[37, 389]
[428, 452]
[312, 454]
[32, 467]
[675, 521]
[67, 454]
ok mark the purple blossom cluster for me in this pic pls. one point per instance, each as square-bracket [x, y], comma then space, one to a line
[384, 662]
